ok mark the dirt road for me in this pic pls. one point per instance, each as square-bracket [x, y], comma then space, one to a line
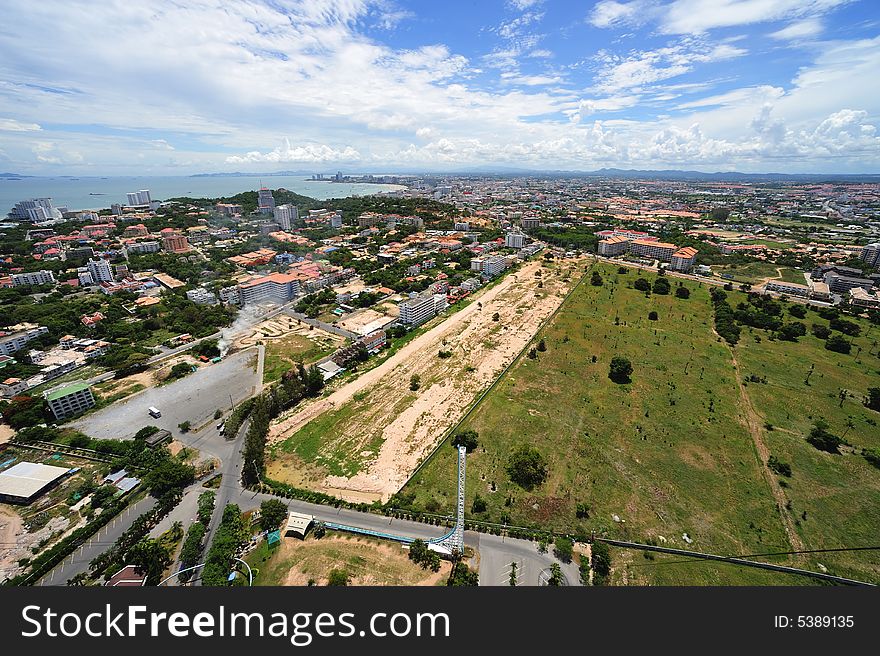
[384, 428]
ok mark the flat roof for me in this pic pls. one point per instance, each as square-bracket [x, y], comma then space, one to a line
[298, 522]
[27, 478]
[66, 390]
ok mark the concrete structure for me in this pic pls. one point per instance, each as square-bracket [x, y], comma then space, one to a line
[25, 481]
[158, 438]
[202, 296]
[871, 255]
[368, 220]
[174, 242]
[514, 240]
[141, 247]
[655, 250]
[265, 201]
[613, 246]
[790, 288]
[286, 216]
[489, 266]
[35, 210]
[100, 271]
[461, 226]
[69, 400]
[228, 209]
[12, 387]
[19, 335]
[841, 284]
[336, 221]
[862, 298]
[529, 222]
[683, 259]
[417, 310]
[298, 524]
[138, 198]
[33, 278]
[276, 287]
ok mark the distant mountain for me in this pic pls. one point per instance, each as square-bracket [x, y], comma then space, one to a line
[14, 176]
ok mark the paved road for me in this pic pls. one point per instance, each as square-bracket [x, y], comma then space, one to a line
[171, 352]
[532, 567]
[79, 560]
[194, 398]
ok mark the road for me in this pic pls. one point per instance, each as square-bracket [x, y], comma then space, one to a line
[323, 325]
[79, 560]
[193, 398]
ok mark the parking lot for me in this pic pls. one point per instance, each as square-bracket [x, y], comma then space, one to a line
[194, 398]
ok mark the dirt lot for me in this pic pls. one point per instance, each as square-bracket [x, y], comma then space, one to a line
[367, 562]
[371, 433]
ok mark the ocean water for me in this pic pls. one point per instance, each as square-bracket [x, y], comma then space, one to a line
[98, 193]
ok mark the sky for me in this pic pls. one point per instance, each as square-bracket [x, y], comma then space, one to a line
[168, 87]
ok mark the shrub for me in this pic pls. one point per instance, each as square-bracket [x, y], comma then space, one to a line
[467, 439]
[642, 285]
[838, 344]
[526, 467]
[820, 330]
[652, 315]
[821, 438]
[682, 292]
[620, 369]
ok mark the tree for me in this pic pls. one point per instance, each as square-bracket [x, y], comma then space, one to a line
[272, 513]
[652, 315]
[821, 331]
[169, 476]
[150, 559]
[781, 468]
[873, 400]
[600, 561]
[596, 279]
[642, 285]
[620, 369]
[206, 507]
[496, 317]
[682, 292]
[798, 311]
[661, 286]
[338, 577]
[218, 413]
[791, 331]
[462, 575]
[582, 511]
[821, 438]
[555, 579]
[542, 346]
[415, 382]
[622, 270]
[479, 505]
[184, 426]
[467, 439]
[838, 344]
[563, 548]
[585, 570]
[526, 467]
[533, 353]
[180, 370]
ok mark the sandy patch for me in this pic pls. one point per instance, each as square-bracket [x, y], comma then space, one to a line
[411, 424]
[6, 433]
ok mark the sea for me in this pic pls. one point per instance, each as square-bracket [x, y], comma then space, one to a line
[94, 193]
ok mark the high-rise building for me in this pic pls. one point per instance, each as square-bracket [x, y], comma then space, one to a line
[286, 216]
[265, 201]
[100, 271]
[33, 278]
[871, 254]
[141, 197]
[35, 210]
[276, 287]
[514, 240]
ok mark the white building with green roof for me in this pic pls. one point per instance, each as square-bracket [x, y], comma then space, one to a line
[69, 400]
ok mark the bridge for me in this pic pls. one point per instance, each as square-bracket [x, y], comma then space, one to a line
[447, 544]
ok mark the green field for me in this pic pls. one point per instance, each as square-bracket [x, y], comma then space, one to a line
[670, 452]
[752, 273]
[792, 275]
[285, 352]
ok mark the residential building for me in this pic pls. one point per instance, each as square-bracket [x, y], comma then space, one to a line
[683, 259]
[840, 284]
[276, 287]
[265, 201]
[862, 298]
[871, 255]
[336, 221]
[514, 240]
[230, 294]
[655, 250]
[12, 387]
[489, 266]
[174, 242]
[202, 296]
[417, 310]
[368, 220]
[286, 216]
[613, 246]
[529, 222]
[15, 338]
[789, 288]
[35, 210]
[100, 271]
[140, 247]
[462, 226]
[139, 230]
[228, 209]
[33, 278]
[69, 400]
[138, 198]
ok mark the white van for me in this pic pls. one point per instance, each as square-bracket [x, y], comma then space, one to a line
[154, 412]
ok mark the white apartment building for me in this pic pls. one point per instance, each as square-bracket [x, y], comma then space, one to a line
[417, 310]
[286, 215]
[683, 259]
[613, 246]
[202, 296]
[142, 247]
[12, 387]
[871, 255]
[462, 226]
[265, 201]
[69, 400]
[33, 278]
[100, 271]
[35, 210]
[336, 221]
[490, 266]
[136, 198]
[514, 240]
[655, 250]
[20, 335]
[274, 288]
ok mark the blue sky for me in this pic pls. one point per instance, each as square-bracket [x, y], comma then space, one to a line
[163, 87]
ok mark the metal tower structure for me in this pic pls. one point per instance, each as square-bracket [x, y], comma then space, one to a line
[454, 540]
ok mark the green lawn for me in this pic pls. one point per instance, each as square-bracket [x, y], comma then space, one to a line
[669, 453]
[752, 273]
[793, 275]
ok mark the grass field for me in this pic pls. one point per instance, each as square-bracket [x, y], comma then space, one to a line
[367, 562]
[752, 273]
[284, 353]
[670, 453]
[792, 275]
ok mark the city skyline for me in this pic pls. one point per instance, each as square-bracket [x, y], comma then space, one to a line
[774, 86]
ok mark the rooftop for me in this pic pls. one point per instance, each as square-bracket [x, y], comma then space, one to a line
[59, 392]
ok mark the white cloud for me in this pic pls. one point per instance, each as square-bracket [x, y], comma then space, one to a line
[11, 125]
[540, 54]
[803, 29]
[589, 107]
[611, 13]
[308, 153]
[522, 5]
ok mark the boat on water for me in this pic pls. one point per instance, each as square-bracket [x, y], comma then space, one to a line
[92, 193]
